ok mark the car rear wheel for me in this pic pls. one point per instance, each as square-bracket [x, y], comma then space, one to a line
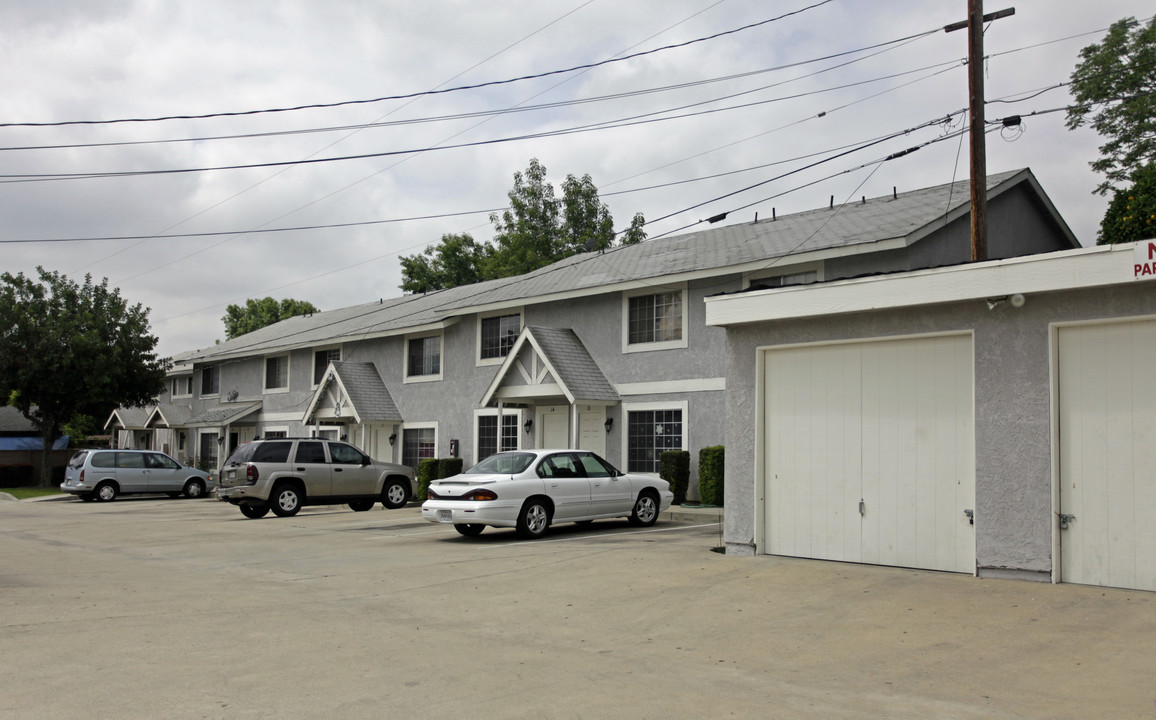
[645, 510]
[469, 529]
[254, 511]
[395, 494]
[194, 489]
[286, 500]
[106, 492]
[360, 505]
[534, 520]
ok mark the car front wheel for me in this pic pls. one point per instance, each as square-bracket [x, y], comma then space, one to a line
[469, 529]
[394, 495]
[286, 501]
[194, 489]
[645, 511]
[534, 520]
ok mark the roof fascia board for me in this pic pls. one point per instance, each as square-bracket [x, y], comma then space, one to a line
[653, 280]
[256, 351]
[1063, 270]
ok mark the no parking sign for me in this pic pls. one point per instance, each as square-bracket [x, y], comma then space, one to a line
[1144, 259]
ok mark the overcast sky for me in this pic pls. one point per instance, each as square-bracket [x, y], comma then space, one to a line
[97, 60]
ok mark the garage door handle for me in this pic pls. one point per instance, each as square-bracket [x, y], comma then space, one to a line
[862, 508]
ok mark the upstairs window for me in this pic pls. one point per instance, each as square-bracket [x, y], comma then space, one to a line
[654, 319]
[182, 386]
[321, 361]
[277, 373]
[210, 380]
[424, 358]
[498, 334]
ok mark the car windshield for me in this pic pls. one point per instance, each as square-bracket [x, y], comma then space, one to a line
[502, 464]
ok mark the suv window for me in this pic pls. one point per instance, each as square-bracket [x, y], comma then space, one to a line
[276, 452]
[241, 455]
[310, 452]
[104, 460]
[342, 453]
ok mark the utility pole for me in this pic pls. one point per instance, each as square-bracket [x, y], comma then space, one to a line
[976, 121]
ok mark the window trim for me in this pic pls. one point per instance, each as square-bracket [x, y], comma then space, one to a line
[433, 377]
[624, 434]
[478, 359]
[187, 381]
[684, 342]
[493, 412]
[816, 267]
[313, 365]
[265, 374]
[205, 369]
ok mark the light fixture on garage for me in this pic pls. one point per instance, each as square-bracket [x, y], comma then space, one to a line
[528, 424]
[608, 424]
[1016, 300]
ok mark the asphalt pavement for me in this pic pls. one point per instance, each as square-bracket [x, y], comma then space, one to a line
[159, 608]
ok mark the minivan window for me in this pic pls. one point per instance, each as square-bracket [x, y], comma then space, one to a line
[276, 452]
[162, 462]
[104, 460]
[78, 459]
[129, 460]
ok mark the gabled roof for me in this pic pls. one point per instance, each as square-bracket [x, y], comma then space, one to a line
[567, 369]
[361, 394]
[169, 416]
[13, 422]
[877, 224]
[135, 418]
[224, 414]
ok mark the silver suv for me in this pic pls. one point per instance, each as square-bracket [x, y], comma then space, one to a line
[282, 474]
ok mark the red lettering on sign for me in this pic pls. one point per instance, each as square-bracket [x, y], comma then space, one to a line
[1152, 251]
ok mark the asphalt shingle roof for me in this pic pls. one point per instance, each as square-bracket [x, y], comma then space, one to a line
[575, 368]
[367, 392]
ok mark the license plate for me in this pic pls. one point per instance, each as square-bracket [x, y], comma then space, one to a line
[445, 515]
[232, 474]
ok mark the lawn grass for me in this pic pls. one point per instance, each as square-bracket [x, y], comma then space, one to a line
[24, 493]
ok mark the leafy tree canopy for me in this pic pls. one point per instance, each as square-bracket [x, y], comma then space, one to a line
[1131, 214]
[1114, 85]
[68, 350]
[259, 313]
[537, 230]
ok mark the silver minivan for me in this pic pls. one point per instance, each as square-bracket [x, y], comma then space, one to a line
[103, 474]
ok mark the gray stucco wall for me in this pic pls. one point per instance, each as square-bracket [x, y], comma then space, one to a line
[1013, 396]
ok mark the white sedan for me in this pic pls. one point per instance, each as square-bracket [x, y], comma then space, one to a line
[532, 489]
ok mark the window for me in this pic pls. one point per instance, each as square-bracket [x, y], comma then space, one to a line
[654, 320]
[210, 380]
[799, 278]
[424, 358]
[277, 373]
[488, 434]
[276, 434]
[418, 444]
[182, 386]
[649, 433]
[321, 361]
[310, 452]
[345, 454]
[497, 335]
[778, 276]
[272, 452]
[162, 462]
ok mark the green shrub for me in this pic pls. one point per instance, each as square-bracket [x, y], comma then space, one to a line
[448, 467]
[710, 475]
[427, 471]
[674, 467]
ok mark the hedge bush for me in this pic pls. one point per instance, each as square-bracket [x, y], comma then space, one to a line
[448, 467]
[674, 467]
[427, 471]
[710, 474]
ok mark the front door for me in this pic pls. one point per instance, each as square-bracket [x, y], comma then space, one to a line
[555, 427]
[592, 429]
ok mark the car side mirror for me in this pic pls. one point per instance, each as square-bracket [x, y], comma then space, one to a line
[366, 460]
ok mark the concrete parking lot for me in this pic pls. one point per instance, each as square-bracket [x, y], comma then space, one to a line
[158, 608]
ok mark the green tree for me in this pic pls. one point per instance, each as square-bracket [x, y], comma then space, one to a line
[1131, 214]
[1114, 86]
[456, 260]
[68, 350]
[259, 313]
[537, 230]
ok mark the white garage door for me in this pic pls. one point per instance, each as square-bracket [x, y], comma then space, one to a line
[1107, 419]
[868, 452]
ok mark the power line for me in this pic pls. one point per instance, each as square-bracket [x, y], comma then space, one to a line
[407, 96]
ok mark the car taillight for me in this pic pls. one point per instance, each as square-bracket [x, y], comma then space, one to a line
[252, 475]
[480, 494]
[82, 476]
[431, 495]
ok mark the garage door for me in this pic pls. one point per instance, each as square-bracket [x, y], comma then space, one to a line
[1107, 425]
[868, 452]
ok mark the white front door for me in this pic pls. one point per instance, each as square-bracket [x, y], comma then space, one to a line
[591, 429]
[869, 452]
[1107, 425]
[555, 426]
